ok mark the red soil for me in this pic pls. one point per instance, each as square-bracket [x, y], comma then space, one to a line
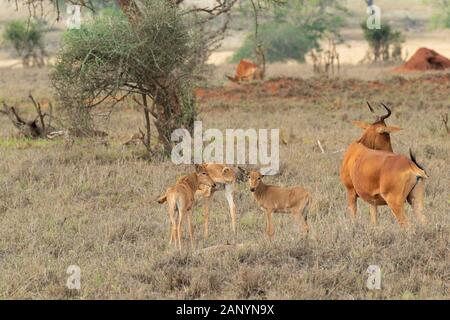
[423, 60]
[309, 89]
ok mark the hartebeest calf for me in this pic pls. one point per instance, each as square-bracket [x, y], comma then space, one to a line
[274, 199]
[370, 170]
[180, 200]
[224, 176]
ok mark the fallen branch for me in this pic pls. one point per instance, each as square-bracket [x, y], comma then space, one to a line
[56, 134]
[320, 146]
[37, 106]
[27, 128]
[31, 128]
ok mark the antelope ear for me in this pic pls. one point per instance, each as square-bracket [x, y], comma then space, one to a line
[388, 129]
[392, 129]
[198, 167]
[361, 124]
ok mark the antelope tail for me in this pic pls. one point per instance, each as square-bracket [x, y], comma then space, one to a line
[418, 169]
[162, 199]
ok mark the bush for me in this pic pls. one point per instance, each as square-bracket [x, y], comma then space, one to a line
[151, 54]
[441, 14]
[282, 42]
[292, 30]
[384, 43]
[27, 39]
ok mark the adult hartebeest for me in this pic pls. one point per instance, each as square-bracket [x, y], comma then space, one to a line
[180, 199]
[278, 199]
[370, 170]
[224, 176]
[247, 71]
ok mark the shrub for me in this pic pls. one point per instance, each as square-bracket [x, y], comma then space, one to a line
[292, 30]
[441, 14]
[384, 43]
[150, 55]
[282, 42]
[27, 39]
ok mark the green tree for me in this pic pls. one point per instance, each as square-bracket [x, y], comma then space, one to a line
[441, 13]
[290, 31]
[384, 43]
[27, 39]
[152, 58]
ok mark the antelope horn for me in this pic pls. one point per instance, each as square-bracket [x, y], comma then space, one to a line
[370, 107]
[382, 118]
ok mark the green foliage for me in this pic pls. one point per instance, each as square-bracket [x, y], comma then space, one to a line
[26, 37]
[109, 50]
[75, 75]
[291, 30]
[113, 54]
[441, 13]
[282, 42]
[384, 43]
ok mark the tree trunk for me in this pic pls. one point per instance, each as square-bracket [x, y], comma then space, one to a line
[169, 111]
[170, 115]
[147, 123]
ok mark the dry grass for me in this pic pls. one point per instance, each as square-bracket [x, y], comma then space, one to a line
[93, 205]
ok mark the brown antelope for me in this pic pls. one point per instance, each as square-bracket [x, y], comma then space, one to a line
[180, 199]
[273, 199]
[370, 170]
[224, 176]
[247, 70]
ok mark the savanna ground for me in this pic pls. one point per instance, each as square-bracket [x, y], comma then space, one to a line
[91, 202]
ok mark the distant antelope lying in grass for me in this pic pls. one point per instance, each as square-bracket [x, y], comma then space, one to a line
[279, 199]
[180, 199]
